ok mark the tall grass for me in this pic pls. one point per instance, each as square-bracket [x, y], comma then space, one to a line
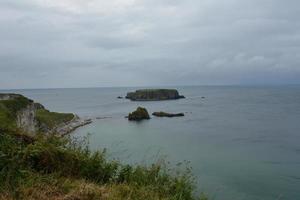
[23, 163]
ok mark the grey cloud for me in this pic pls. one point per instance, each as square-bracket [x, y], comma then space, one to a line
[147, 42]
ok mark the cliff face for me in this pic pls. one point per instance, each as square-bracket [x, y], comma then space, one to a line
[154, 95]
[26, 119]
[20, 113]
[14, 111]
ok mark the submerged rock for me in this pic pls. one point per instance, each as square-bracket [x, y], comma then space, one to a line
[154, 95]
[119, 97]
[139, 114]
[164, 114]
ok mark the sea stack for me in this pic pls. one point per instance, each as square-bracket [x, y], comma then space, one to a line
[154, 95]
[139, 114]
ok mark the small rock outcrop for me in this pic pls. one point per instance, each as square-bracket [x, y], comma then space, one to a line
[139, 114]
[154, 95]
[164, 114]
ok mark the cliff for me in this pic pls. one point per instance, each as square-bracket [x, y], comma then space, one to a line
[18, 113]
[154, 95]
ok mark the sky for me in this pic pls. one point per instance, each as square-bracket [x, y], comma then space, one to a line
[101, 43]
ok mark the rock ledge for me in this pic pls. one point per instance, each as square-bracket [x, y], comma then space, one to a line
[164, 114]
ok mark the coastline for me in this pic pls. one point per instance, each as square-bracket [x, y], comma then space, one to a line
[72, 125]
[75, 123]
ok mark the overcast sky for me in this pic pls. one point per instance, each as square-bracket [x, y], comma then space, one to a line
[99, 43]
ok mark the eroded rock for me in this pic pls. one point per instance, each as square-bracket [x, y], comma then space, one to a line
[139, 114]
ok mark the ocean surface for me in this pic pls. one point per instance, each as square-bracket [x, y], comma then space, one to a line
[243, 143]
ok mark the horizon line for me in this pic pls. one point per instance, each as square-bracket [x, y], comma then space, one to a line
[149, 86]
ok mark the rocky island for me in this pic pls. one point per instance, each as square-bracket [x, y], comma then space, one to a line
[154, 95]
[164, 114]
[139, 114]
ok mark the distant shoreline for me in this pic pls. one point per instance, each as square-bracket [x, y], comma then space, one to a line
[159, 86]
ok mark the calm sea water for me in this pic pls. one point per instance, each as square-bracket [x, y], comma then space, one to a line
[243, 142]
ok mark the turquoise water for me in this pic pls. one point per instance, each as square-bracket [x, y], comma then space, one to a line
[243, 142]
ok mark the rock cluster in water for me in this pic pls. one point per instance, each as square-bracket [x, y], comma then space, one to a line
[154, 95]
[164, 114]
[139, 114]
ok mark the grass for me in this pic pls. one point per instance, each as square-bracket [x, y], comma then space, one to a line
[9, 110]
[52, 167]
[52, 119]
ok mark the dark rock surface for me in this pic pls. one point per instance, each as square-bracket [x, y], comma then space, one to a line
[38, 106]
[139, 114]
[164, 114]
[154, 95]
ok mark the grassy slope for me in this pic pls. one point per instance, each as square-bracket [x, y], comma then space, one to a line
[52, 119]
[59, 168]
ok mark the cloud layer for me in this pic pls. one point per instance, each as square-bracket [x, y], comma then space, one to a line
[82, 43]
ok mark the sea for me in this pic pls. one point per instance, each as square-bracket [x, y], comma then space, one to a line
[242, 142]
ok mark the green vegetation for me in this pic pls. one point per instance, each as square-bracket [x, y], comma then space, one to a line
[52, 167]
[9, 109]
[52, 119]
[153, 95]
[59, 168]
